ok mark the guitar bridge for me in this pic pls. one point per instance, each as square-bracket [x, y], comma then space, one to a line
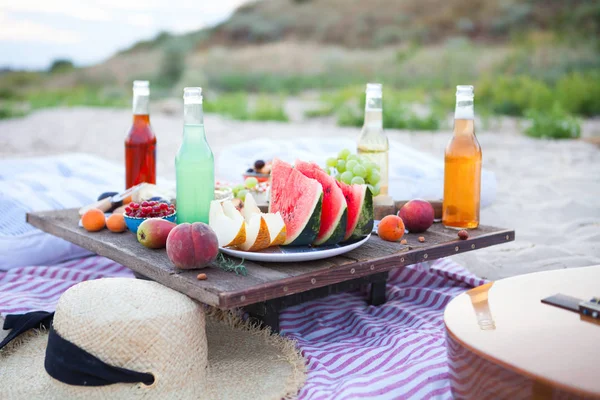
[590, 308]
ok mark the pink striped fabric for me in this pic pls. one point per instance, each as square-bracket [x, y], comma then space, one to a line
[35, 288]
[393, 351]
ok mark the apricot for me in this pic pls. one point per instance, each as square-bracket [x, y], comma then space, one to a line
[417, 215]
[93, 220]
[116, 223]
[391, 228]
[191, 246]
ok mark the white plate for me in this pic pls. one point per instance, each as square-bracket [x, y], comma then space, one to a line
[295, 253]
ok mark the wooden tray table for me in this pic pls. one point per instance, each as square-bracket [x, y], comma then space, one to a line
[270, 287]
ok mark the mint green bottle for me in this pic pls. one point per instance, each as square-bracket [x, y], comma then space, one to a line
[194, 163]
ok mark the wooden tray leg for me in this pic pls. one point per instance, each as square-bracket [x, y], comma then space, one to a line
[377, 294]
[268, 312]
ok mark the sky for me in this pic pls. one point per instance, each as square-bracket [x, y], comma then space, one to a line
[33, 33]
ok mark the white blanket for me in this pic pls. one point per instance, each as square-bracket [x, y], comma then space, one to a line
[47, 183]
[74, 180]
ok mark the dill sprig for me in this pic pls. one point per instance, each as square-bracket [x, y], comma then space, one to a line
[229, 265]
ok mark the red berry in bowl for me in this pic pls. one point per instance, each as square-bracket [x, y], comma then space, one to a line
[145, 204]
[164, 206]
[134, 206]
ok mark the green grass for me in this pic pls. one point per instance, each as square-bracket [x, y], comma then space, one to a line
[267, 109]
[15, 103]
[9, 109]
[348, 106]
[579, 93]
[324, 111]
[232, 105]
[238, 106]
[576, 93]
[279, 83]
[78, 96]
[555, 123]
[394, 117]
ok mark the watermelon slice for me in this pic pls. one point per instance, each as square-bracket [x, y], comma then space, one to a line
[334, 214]
[360, 210]
[299, 201]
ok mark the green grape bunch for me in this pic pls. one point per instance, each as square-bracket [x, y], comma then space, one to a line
[240, 191]
[353, 169]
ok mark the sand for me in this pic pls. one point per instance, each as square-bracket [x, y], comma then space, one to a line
[548, 191]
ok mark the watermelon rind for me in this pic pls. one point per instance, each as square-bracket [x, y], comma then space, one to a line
[334, 216]
[311, 229]
[364, 225]
[339, 232]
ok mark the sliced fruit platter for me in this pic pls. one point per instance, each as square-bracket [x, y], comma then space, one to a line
[311, 216]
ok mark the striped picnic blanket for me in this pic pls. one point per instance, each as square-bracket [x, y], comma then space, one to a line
[392, 351]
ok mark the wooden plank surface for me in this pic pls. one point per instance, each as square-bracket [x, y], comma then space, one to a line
[265, 281]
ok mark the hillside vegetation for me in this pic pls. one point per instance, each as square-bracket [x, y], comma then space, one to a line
[374, 23]
[522, 56]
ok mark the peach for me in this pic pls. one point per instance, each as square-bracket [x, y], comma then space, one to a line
[191, 246]
[153, 232]
[391, 228]
[417, 215]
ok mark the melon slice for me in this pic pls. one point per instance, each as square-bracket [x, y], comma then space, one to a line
[231, 211]
[276, 227]
[257, 234]
[230, 229]
[334, 214]
[360, 210]
[299, 200]
[250, 207]
[274, 221]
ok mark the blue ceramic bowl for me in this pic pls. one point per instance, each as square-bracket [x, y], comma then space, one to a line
[133, 223]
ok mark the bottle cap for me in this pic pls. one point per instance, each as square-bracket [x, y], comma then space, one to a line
[192, 95]
[141, 87]
[464, 90]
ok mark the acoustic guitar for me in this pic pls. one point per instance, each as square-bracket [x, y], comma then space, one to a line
[504, 343]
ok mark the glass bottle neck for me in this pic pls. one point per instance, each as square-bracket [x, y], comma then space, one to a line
[193, 114]
[373, 112]
[141, 119]
[464, 127]
[140, 104]
[374, 119]
[464, 108]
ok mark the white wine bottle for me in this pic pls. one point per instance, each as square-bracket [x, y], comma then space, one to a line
[372, 142]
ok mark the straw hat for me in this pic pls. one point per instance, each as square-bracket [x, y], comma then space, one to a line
[143, 326]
